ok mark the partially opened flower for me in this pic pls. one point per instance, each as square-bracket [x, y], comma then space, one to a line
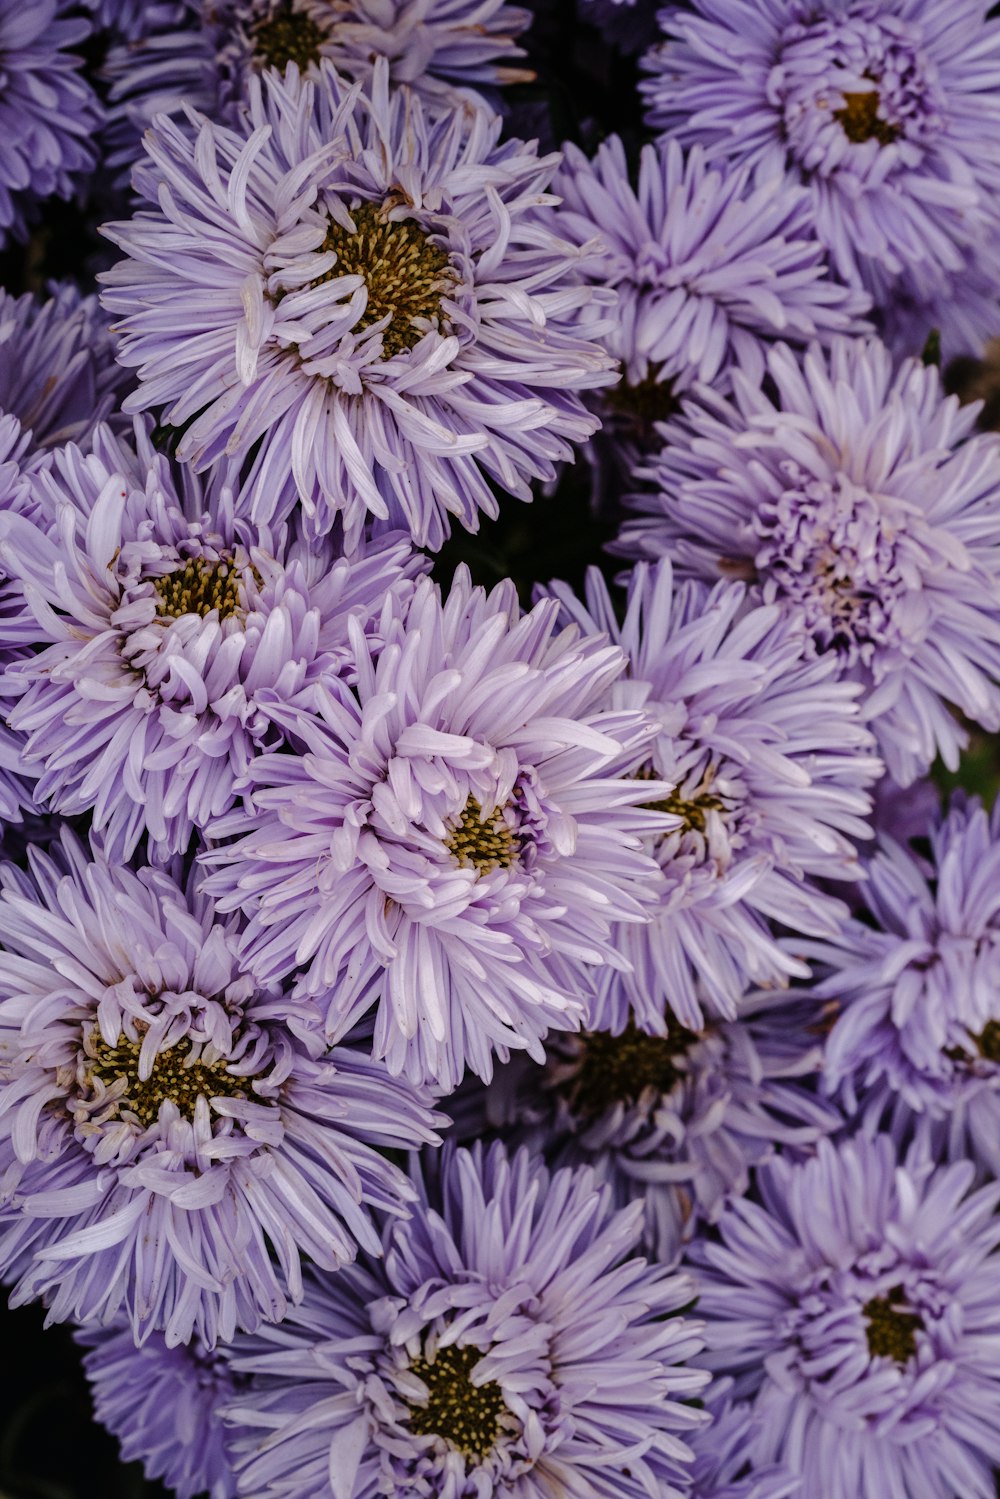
[58, 373]
[459, 838]
[855, 1308]
[380, 299]
[48, 111]
[675, 1121]
[916, 984]
[165, 1405]
[770, 767]
[442, 49]
[169, 1152]
[887, 111]
[507, 1346]
[166, 626]
[204, 54]
[708, 266]
[853, 495]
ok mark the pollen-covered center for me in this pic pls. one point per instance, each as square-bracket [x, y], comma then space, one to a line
[618, 1069]
[483, 843]
[174, 1075]
[988, 1041]
[462, 1413]
[405, 272]
[891, 1331]
[287, 35]
[861, 121]
[199, 587]
[690, 803]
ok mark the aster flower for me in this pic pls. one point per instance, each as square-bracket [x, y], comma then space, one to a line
[442, 49]
[204, 54]
[168, 1150]
[167, 627]
[382, 301]
[165, 1406]
[889, 113]
[674, 1121]
[769, 765]
[505, 1346]
[58, 373]
[48, 112]
[916, 982]
[708, 267]
[458, 838]
[16, 624]
[856, 499]
[855, 1307]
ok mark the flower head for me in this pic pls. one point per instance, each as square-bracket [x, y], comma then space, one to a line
[458, 839]
[674, 1121]
[58, 373]
[167, 627]
[708, 268]
[854, 497]
[506, 1346]
[770, 768]
[48, 112]
[168, 1150]
[440, 48]
[16, 623]
[392, 314]
[888, 113]
[916, 983]
[165, 1405]
[854, 1305]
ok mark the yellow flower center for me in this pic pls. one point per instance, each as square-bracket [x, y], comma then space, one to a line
[406, 274]
[891, 1332]
[285, 36]
[618, 1069]
[482, 842]
[465, 1415]
[172, 1076]
[860, 119]
[198, 588]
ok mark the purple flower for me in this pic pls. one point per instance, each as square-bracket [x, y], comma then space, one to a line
[168, 1150]
[58, 373]
[381, 300]
[165, 1406]
[673, 1121]
[16, 623]
[769, 767]
[887, 110]
[204, 55]
[445, 50]
[168, 627]
[458, 839]
[916, 984]
[48, 112]
[855, 1307]
[505, 1346]
[708, 267]
[854, 496]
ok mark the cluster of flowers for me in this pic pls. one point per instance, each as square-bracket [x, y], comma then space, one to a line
[464, 1045]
